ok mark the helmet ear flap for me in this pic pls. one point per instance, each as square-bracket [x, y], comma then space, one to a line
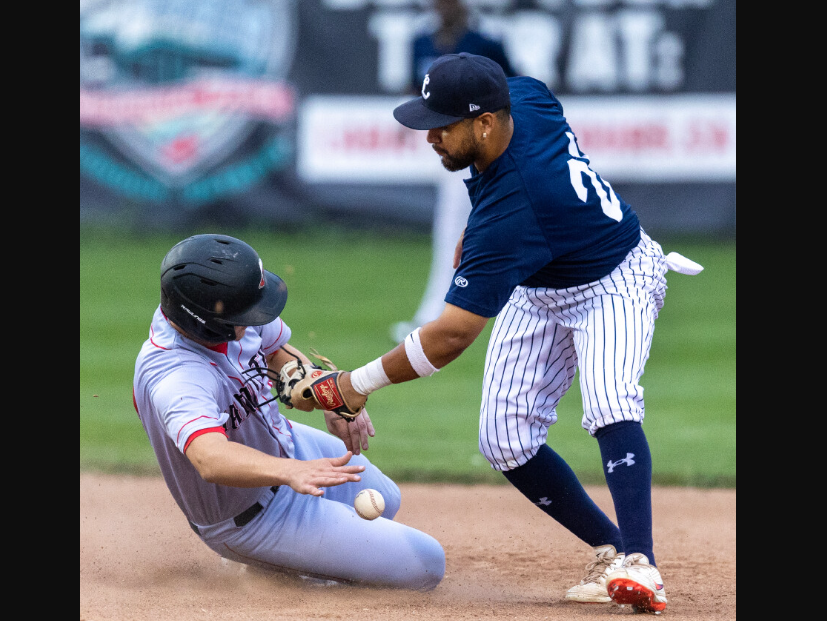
[185, 319]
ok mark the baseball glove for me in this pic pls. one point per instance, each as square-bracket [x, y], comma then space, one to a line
[288, 377]
[309, 387]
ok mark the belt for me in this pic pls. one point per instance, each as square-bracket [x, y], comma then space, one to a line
[243, 518]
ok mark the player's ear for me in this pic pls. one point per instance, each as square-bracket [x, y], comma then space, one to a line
[483, 125]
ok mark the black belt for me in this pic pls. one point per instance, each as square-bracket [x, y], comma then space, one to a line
[243, 518]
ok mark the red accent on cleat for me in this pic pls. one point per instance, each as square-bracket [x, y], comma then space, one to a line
[624, 591]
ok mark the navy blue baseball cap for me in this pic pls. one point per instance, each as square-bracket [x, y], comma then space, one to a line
[456, 87]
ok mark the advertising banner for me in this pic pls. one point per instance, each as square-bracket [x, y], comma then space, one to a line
[280, 109]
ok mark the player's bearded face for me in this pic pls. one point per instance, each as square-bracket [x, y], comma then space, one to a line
[456, 145]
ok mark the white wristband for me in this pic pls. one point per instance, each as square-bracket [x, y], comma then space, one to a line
[416, 355]
[370, 377]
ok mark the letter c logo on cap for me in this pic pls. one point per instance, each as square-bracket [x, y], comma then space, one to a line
[424, 84]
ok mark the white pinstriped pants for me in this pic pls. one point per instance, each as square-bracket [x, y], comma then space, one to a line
[543, 335]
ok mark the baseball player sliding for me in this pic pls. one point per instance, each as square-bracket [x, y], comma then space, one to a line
[561, 261]
[257, 488]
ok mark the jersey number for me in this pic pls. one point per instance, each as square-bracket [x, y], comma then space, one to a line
[579, 166]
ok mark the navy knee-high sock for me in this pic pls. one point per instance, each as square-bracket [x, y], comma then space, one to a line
[627, 464]
[548, 481]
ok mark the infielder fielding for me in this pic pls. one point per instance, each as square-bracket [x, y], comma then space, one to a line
[257, 488]
[561, 261]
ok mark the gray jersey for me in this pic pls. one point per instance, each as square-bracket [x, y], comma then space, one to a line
[182, 390]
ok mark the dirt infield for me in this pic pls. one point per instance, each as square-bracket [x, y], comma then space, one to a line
[505, 560]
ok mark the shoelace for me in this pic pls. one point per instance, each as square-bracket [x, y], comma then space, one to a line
[596, 569]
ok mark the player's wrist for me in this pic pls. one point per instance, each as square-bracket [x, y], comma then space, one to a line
[369, 378]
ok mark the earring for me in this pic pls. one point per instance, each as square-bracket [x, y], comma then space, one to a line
[484, 135]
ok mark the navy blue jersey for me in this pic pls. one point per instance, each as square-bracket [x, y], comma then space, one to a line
[540, 216]
[425, 53]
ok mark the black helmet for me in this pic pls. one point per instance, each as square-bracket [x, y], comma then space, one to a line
[210, 283]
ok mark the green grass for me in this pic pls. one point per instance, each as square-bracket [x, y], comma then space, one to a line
[345, 290]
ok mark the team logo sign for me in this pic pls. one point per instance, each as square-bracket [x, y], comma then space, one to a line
[172, 92]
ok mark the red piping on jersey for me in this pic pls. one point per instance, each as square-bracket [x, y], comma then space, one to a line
[201, 432]
[135, 403]
[187, 423]
[240, 351]
[278, 337]
[152, 335]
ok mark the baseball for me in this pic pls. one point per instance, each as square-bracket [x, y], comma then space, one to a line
[369, 504]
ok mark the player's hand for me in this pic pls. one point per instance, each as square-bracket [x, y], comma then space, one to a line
[307, 477]
[458, 250]
[355, 433]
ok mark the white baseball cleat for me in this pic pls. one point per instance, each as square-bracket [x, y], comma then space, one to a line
[318, 582]
[639, 584]
[592, 588]
[232, 567]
